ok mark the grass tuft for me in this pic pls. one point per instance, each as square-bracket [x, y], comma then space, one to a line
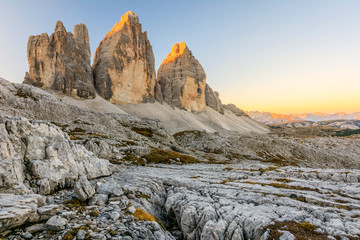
[147, 132]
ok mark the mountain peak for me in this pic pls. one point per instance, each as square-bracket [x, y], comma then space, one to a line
[127, 19]
[59, 27]
[177, 50]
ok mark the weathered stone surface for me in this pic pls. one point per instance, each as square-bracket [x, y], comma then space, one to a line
[124, 63]
[15, 210]
[37, 156]
[56, 223]
[84, 189]
[99, 199]
[61, 62]
[182, 79]
[212, 99]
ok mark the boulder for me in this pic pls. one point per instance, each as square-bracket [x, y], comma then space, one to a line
[124, 63]
[37, 156]
[56, 223]
[99, 199]
[84, 189]
[182, 79]
[18, 209]
[61, 62]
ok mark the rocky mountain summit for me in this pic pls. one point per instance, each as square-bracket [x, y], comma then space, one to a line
[124, 63]
[61, 62]
[182, 79]
[123, 71]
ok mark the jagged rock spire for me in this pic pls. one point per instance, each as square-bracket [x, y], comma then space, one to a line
[124, 63]
[61, 62]
[182, 80]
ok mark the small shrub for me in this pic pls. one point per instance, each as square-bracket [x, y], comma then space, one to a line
[227, 180]
[165, 157]
[249, 182]
[23, 94]
[228, 168]
[303, 230]
[147, 132]
[69, 235]
[307, 226]
[74, 203]
[284, 180]
[112, 232]
[94, 213]
[142, 195]
[141, 215]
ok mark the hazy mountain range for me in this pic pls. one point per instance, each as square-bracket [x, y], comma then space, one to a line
[273, 118]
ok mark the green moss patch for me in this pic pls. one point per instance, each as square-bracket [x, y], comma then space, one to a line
[167, 157]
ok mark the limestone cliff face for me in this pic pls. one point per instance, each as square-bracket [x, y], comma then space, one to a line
[61, 62]
[212, 100]
[124, 63]
[182, 80]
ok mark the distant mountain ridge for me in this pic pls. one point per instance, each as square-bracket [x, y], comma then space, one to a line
[274, 118]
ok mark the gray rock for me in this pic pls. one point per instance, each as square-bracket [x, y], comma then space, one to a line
[56, 223]
[286, 236]
[61, 62]
[16, 210]
[84, 189]
[115, 215]
[99, 199]
[50, 210]
[131, 209]
[53, 161]
[81, 234]
[26, 235]
[36, 228]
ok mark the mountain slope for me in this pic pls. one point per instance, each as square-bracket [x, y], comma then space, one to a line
[177, 120]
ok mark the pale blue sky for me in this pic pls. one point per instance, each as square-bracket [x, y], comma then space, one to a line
[280, 56]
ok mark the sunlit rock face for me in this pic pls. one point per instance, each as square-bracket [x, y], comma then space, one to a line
[182, 79]
[124, 63]
[61, 62]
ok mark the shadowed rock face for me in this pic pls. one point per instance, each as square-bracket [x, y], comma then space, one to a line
[238, 112]
[124, 63]
[213, 100]
[61, 62]
[182, 79]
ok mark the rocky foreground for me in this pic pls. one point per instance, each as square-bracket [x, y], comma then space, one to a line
[83, 174]
[198, 201]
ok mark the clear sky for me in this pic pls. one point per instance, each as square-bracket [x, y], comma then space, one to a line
[273, 55]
